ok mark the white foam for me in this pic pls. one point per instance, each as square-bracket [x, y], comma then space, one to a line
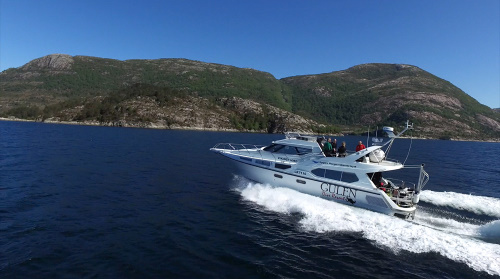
[446, 225]
[476, 204]
[436, 235]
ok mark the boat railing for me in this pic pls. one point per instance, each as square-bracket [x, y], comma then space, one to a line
[401, 183]
[239, 148]
[401, 192]
[423, 176]
[412, 166]
[244, 149]
[391, 160]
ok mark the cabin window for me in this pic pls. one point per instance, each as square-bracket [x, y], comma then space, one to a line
[278, 175]
[335, 175]
[303, 150]
[287, 149]
[290, 150]
[282, 166]
[301, 181]
[273, 147]
[316, 150]
[348, 177]
[246, 158]
[318, 172]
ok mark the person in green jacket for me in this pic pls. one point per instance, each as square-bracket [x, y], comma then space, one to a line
[328, 148]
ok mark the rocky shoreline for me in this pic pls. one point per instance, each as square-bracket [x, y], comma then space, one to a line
[161, 126]
[123, 124]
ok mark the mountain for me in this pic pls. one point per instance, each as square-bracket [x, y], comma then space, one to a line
[149, 106]
[375, 94]
[150, 92]
[59, 76]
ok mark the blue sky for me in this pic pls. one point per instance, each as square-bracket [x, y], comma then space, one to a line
[457, 40]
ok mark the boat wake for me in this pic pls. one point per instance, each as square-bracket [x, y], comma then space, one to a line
[489, 232]
[476, 204]
[460, 242]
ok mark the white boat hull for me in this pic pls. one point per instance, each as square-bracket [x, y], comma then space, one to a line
[375, 200]
[298, 162]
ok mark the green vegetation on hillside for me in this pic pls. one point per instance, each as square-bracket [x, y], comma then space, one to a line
[385, 92]
[92, 76]
[111, 109]
[24, 112]
[364, 95]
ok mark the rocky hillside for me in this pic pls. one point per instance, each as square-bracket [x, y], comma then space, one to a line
[181, 93]
[58, 77]
[149, 106]
[371, 94]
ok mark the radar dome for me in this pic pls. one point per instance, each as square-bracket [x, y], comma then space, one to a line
[377, 156]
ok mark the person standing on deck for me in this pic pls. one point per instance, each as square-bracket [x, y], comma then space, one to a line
[360, 146]
[327, 148]
[342, 150]
[334, 148]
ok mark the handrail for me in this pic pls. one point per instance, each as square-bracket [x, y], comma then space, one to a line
[412, 166]
[239, 147]
[423, 178]
[244, 149]
[401, 183]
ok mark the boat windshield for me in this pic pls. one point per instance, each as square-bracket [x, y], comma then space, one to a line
[288, 149]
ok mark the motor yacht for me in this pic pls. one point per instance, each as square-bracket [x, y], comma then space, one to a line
[358, 179]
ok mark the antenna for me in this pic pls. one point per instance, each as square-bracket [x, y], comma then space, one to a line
[367, 136]
[390, 130]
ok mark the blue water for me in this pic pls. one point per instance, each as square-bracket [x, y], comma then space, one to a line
[101, 202]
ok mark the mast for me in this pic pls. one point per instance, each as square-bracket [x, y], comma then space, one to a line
[391, 141]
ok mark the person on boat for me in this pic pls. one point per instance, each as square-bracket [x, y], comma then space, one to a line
[327, 148]
[319, 140]
[334, 148]
[360, 146]
[342, 150]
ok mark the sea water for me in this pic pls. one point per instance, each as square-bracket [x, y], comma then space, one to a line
[101, 202]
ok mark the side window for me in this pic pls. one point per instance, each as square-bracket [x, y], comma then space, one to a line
[270, 147]
[302, 150]
[290, 150]
[335, 175]
[349, 177]
[274, 147]
[286, 149]
[317, 150]
[319, 172]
